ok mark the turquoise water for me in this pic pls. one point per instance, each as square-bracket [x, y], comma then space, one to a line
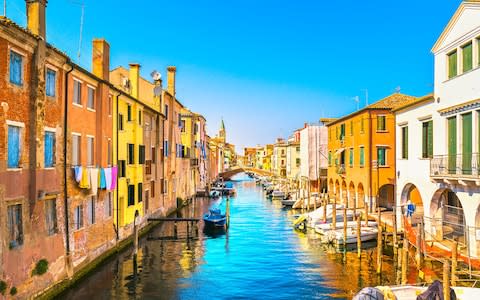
[259, 257]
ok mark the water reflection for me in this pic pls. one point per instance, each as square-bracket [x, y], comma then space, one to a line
[260, 256]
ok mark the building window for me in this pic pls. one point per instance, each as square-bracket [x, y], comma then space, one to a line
[120, 122]
[91, 210]
[165, 148]
[129, 112]
[164, 186]
[381, 123]
[195, 129]
[131, 195]
[15, 225]
[51, 216]
[152, 188]
[90, 151]
[298, 149]
[14, 146]
[362, 156]
[109, 152]
[76, 144]
[478, 51]
[351, 127]
[405, 142]
[166, 112]
[427, 139]
[131, 153]
[330, 158]
[110, 105]
[179, 120]
[51, 83]
[16, 68]
[108, 205]
[49, 151]
[141, 154]
[91, 98]
[342, 131]
[351, 157]
[452, 64]
[467, 57]
[381, 156]
[77, 92]
[140, 192]
[154, 155]
[78, 217]
[182, 125]
[297, 162]
[121, 168]
[139, 117]
[362, 125]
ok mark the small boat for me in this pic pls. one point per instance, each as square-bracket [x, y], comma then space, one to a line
[323, 228]
[366, 234]
[214, 194]
[276, 194]
[215, 218]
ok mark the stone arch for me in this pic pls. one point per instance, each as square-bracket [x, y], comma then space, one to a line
[386, 196]
[344, 194]
[351, 195]
[360, 196]
[410, 193]
[448, 219]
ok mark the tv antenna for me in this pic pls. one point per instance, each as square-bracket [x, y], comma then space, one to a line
[82, 5]
[357, 99]
[366, 96]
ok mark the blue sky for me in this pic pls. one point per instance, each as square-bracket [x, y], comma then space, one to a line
[265, 66]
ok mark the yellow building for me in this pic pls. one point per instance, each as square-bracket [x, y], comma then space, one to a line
[267, 157]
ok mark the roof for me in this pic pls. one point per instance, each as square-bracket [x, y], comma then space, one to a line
[453, 21]
[388, 103]
[327, 120]
[419, 100]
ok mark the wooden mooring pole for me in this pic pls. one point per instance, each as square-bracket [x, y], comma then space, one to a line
[366, 214]
[446, 281]
[325, 202]
[379, 243]
[228, 212]
[334, 215]
[418, 244]
[344, 228]
[404, 260]
[454, 263]
[359, 239]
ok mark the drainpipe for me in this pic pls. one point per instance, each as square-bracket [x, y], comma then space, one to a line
[65, 190]
[116, 200]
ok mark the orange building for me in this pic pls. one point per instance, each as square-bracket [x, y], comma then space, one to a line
[361, 154]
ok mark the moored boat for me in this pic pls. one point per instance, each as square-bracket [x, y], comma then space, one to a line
[215, 218]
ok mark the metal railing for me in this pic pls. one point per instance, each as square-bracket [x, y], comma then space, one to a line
[458, 165]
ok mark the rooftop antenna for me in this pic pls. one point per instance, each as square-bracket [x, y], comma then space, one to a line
[398, 89]
[5, 8]
[357, 99]
[366, 96]
[82, 5]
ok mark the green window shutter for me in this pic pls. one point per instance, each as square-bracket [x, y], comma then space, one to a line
[405, 142]
[467, 57]
[452, 145]
[351, 127]
[452, 64]
[329, 158]
[424, 139]
[362, 156]
[351, 156]
[362, 126]
[381, 156]
[467, 143]
[430, 139]
[336, 132]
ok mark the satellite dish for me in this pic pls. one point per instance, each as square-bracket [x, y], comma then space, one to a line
[156, 75]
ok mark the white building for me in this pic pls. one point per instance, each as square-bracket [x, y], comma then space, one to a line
[314, 154]
[438, 139]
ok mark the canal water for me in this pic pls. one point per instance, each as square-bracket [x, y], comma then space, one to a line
[259, 257]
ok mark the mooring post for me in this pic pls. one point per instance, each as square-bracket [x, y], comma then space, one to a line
[404, 260]
[135, 235]
[334, 215]
[454, 263]
[366, 214]
[188, 230]
[418, 244]
[359, 239]
[379, 243]
[344, 228]
[446, 281]
[228, 212]
[395, 246]
[325, 202]
[175, 229]
[308, 192]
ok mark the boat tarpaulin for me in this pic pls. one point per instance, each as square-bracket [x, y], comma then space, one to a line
[435, 291]
[369, 293]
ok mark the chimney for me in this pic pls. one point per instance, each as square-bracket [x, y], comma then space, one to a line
[36, 17]
[171, 80]
[101, 59]
[134, 75]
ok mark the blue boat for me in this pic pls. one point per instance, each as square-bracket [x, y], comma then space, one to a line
[215, 218]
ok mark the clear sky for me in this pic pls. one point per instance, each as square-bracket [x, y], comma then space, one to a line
[265, 66]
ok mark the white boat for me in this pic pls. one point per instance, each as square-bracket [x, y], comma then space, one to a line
[336, 236]
[316, 217]
[278, 194]
[314, 201]
[326, 227]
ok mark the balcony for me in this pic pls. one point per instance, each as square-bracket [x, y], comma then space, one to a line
[461, 168]
[341, 169]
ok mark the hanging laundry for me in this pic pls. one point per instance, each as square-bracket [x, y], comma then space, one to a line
[78, 173]
[108, 178]
[103, 183]
[85, 181]
[114, 178]
[94, 180]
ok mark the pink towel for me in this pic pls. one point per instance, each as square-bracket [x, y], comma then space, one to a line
[114, 177]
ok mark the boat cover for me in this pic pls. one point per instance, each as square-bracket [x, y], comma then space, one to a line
[369, 293]
[435, 292]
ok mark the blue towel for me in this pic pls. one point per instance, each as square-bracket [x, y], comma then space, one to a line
[103, 182]
[78, 173]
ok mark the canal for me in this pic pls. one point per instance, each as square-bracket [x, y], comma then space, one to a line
[259, 257]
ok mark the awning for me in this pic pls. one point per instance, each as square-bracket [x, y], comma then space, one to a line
[339, 151]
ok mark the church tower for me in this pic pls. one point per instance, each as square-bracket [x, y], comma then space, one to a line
[222, 133]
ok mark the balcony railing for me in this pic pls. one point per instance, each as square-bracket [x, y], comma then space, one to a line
[341, 169]
[458, 165]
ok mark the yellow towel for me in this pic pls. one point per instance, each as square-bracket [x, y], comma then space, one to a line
[85, 182]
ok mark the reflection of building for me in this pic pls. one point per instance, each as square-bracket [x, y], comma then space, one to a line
[438, 140]
[357, 144]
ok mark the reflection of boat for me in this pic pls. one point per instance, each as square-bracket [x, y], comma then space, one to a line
[214, 232]
[215, 218]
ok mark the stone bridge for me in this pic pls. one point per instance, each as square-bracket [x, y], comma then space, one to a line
[236, 170]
